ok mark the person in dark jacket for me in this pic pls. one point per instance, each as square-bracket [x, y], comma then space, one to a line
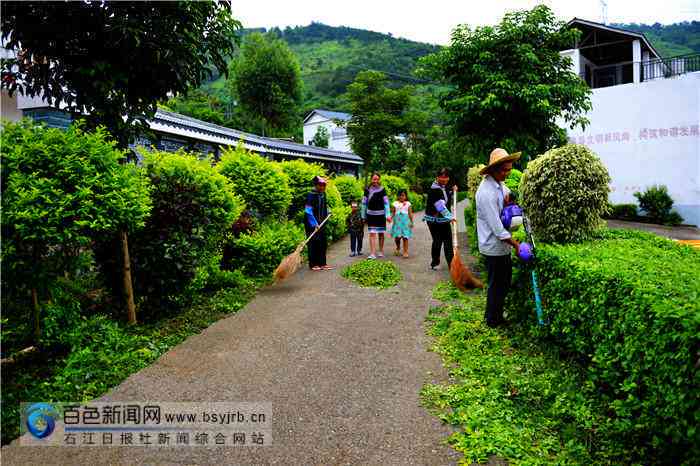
[438, 217]
[316, 210]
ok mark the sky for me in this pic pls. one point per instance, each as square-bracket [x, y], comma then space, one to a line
[432, 21]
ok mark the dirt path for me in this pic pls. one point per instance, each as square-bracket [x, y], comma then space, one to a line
[343, 367]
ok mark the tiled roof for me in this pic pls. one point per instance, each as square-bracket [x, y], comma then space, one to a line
[183, 125]
[331, 115]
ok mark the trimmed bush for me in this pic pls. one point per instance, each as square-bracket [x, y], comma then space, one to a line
[623, 211]
[627, 306]
[262, 184]
[565, 193]
[657, 203]
[393, 184]
[350, 188]
[193, 209]
[417, 201]
[300, 175]
[513, 183]
[258, 254]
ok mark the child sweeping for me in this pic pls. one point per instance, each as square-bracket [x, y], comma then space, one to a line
[402, 216]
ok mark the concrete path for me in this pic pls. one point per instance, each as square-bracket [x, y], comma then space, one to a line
[678, 233]
[343, 367]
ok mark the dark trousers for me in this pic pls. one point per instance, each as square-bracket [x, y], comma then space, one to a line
[500, 272]
[356, 241]
[442, 238]
[317, 248]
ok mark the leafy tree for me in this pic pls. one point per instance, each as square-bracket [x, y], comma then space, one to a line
[321, 138]
[379, 114]
[111, 62]
[266, 79]
[510, 85]
[198, 104]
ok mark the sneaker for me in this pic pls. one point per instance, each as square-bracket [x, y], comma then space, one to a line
[352, 254]
[434, 267]
[371, 256]
[360, 253]
[380, 254]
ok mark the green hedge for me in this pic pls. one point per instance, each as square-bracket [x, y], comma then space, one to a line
[350, 188]
[300, 176]
[258, 254]
[628, 306]
[261, 183]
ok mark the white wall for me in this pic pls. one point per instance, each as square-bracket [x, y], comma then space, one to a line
[647, 134]
[341, 144]
[8, 107]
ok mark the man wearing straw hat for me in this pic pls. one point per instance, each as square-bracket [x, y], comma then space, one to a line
[495, 242]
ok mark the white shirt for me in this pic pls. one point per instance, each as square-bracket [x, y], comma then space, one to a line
[402, 207]
[489, 228]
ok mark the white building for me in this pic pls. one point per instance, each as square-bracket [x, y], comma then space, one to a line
[337, 134]
[645, 115]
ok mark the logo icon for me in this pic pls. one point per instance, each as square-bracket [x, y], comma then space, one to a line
[41, 419]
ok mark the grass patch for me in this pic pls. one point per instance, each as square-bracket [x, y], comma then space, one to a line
[509, 397]
[104, 353]
[373, 273]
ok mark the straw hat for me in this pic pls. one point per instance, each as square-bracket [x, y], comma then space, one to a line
[499, 156]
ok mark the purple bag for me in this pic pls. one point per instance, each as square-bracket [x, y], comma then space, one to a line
[510, 211]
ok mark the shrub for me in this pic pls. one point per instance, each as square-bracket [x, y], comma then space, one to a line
[627, 306]
[623, 211]
[657, 203]
[373, 273]
[259, 253]
[417, 201]
[474, 179]
[300, 175]
[60, 190]
[513, 183]
[350, 188]
[262, 184]
[565, 193]
[393, 184]
[193, 209]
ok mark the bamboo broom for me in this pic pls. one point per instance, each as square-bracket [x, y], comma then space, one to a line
[291, 263]
[461, 275]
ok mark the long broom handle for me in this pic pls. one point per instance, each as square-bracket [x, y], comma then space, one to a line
[454, 214]
[314, 232]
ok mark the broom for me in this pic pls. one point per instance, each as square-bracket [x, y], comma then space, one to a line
[291, 263]
[462, 277]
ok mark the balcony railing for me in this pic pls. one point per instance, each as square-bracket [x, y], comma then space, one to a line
[623, 73]
[667, 67]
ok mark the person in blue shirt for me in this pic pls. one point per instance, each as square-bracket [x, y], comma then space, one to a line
[316, 210]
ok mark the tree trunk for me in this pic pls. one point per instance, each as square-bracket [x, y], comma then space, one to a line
[37, 315]
[128, 289]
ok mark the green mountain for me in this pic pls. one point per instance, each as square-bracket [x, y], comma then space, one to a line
[670, 40]
[330, 58]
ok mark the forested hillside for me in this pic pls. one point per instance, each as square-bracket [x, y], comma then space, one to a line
[330, 58]
[672, 39]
